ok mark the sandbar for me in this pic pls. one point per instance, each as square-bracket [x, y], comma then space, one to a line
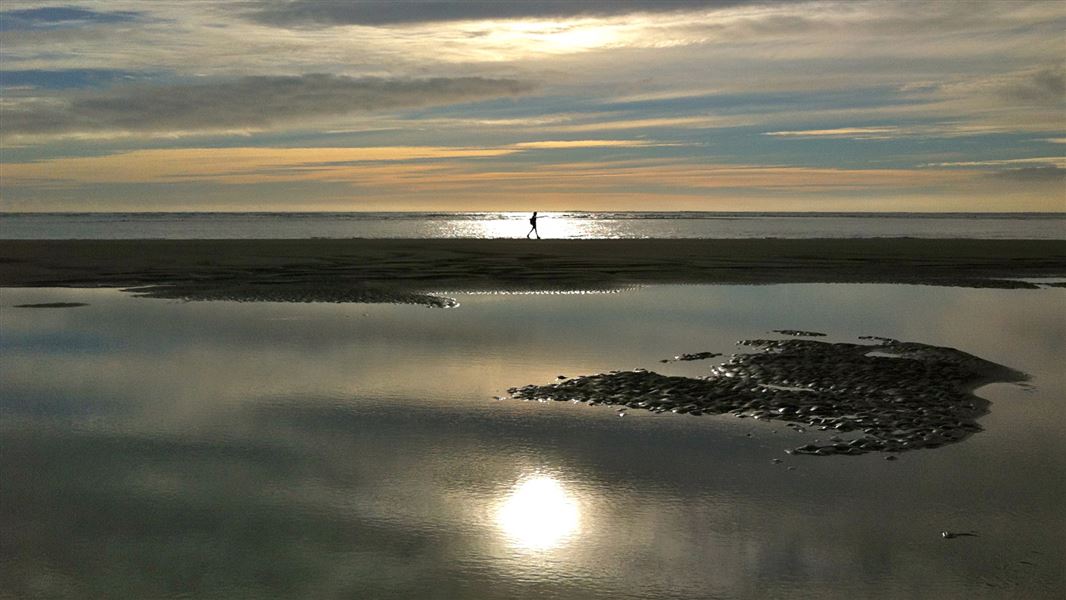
[421, 270]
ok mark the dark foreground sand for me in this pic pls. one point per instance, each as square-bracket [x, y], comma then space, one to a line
[414, 270]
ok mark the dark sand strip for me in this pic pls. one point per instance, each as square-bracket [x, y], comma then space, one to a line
[409, 270]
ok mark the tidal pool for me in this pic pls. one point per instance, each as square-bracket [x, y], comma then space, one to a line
[154, 448]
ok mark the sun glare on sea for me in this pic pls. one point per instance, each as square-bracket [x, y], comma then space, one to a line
[516, 225]
[539, 514]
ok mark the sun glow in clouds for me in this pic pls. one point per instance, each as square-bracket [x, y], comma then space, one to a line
[539, 514]
[549, 37]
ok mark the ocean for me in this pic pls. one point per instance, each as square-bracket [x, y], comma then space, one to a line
[551, 225]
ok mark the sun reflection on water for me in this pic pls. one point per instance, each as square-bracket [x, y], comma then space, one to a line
[516, 225]
[539, 514]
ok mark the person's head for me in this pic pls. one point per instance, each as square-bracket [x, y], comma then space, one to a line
[534, 213]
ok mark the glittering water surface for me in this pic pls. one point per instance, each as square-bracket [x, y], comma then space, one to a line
[161, 449]
[551, 225]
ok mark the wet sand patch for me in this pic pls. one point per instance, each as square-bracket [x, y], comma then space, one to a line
[290, 292]
[886, 396]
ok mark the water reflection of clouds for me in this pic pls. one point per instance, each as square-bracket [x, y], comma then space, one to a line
[372, 445]
[244, 351]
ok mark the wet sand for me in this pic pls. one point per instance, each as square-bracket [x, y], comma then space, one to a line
[900, 395]
[363, 270]
[53, 305]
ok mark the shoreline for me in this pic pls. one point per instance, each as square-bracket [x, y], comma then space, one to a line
[406, 270]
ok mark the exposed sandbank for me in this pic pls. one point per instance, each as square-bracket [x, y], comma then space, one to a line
[892, 396]
[413, 270]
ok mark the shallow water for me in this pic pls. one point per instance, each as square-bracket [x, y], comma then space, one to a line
[154, 448]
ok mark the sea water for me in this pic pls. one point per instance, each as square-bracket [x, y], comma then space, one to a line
[550, 225]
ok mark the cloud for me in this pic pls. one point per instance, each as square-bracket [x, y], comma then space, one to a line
[890, 132]
[257, 165]
[1052, 161]
[570, 144]
[861, 133]
[566, 123]
[688, 123]
[405, 169]
[1035, 170]
[64, 79]
[713, 75]
[234, 165]
[1044, 86]
[248, 103]
[54, 17]
[1033, 174]
[302, 13]
[1034, 87]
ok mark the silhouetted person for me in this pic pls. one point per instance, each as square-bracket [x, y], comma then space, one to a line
[533, 222]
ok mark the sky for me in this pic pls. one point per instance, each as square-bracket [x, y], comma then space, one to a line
[730, 105]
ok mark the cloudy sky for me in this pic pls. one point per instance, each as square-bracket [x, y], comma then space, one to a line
[583, 104]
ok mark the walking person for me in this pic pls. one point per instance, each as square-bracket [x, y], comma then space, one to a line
[533, 222]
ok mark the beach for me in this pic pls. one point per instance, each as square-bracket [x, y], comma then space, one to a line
[412, 270]
[590, 418]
